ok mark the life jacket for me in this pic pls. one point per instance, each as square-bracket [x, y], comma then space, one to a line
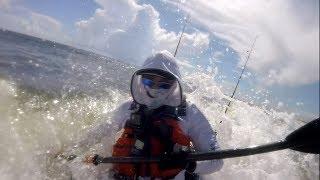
[150, 134]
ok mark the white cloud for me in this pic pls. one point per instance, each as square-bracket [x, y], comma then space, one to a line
[43, 26]
[129, 31]
[287, 50]
[19, 19]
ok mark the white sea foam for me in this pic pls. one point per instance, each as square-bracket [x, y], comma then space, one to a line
[246, 125]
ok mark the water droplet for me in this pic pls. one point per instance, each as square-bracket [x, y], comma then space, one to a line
[50, 117]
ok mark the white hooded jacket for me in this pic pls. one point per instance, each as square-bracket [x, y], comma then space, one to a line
[194, 124]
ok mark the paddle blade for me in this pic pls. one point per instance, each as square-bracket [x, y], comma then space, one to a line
[306, 139]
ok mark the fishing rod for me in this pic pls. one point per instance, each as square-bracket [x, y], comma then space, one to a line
[184, 27]
[240, 77]
[304, 139]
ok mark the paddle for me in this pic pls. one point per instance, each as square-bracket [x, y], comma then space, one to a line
[305, 139]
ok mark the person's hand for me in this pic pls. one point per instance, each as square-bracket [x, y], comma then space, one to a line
[88, 159]
[92, 159]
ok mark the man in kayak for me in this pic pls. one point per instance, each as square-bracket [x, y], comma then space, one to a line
[160, 122]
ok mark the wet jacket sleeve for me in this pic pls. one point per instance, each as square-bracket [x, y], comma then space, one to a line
[203, 138]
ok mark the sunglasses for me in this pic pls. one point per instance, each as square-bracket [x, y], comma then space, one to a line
[150, 83]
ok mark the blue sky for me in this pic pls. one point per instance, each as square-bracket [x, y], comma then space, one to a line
[220, 32]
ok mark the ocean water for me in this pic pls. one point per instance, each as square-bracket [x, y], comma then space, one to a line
[52, 94]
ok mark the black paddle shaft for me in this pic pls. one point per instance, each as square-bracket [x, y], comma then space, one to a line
[231, 153]
[223, 154]
[304, 139]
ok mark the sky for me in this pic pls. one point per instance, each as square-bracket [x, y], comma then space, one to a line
[283, 70]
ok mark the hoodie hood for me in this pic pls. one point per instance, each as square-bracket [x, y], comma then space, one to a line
[160, 63]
